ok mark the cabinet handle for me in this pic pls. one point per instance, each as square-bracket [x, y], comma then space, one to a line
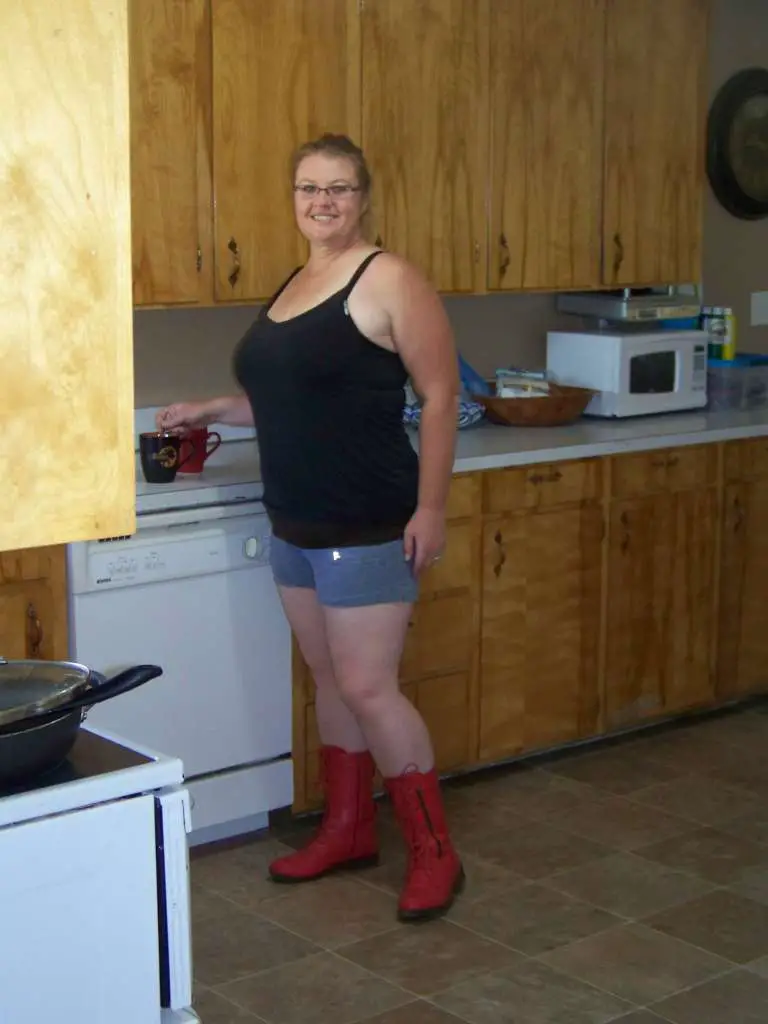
[477, 252]
[235, 273]
[548, 478]
[199, 260]
[505, 257]
[738, 517]
[502, 555]
[624, 520]
[618, 254]
[672, 460]
[35, 633]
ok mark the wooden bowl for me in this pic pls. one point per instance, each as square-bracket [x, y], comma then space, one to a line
[563, 404]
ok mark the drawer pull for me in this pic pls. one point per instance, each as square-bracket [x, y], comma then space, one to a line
[35, 633]
[545, 478]
[235, 272]
[672, 460]
[624, 519]
[738, 515]
[502, 555]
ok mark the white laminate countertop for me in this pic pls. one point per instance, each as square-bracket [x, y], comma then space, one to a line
[233, 473]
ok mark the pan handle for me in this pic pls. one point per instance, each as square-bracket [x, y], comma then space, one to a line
[123, 682]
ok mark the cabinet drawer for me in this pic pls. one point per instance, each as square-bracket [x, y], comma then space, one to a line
[440, 637]
[464, 496]
[545, 485]
[668, 469]
[454, 570]
[746, 460]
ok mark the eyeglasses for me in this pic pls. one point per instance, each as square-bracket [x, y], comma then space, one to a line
[333, 191]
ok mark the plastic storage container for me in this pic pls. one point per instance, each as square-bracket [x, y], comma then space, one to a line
[739, 383]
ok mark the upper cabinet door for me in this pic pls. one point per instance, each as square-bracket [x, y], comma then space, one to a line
[654, 147]
[284, 71]
[425, 108]
[170, 151]
[546, 144]
[66, 342]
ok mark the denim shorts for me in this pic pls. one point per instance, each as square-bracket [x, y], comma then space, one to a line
[349, 577]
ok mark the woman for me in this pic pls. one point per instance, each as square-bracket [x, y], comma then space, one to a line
[356, 515]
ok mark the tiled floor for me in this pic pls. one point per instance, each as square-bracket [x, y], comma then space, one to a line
[628, 884]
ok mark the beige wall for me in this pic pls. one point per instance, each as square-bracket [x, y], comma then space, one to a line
[187, 353]
[736, 251]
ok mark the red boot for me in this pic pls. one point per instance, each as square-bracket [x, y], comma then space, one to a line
[347, 836]
[435, 875]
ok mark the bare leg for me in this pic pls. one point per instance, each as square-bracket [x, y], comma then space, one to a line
[336, 724]
[365, 647]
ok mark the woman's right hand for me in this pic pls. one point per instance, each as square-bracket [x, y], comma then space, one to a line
[183, 416]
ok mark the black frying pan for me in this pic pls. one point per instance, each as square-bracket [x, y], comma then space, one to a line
[36, 745]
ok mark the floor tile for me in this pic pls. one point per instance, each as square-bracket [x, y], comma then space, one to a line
[333, 911]
[759, 966]
[212, 1008]
[722, 922]
[636, 963]
[699, 799]
[239, 873]
[750, 826]
[629, 885]
[710, 853]
[230, 942]
[753, 883]
[619, 824]
[616, 771]
[429, 957]
[641, 1017]
[414, 1013]
[530, 994]
[533, 918]
[536, 850]
[736, 998]
[322, 989]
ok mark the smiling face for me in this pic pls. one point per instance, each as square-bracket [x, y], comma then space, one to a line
[328, 218]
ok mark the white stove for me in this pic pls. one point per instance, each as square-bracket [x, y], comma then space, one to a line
[94, 886]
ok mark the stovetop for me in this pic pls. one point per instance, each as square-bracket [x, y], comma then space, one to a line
[101, 767]
[91, 756]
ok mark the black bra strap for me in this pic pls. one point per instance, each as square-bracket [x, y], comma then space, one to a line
[359, 272]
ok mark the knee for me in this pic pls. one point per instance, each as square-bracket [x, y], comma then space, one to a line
[364, 696]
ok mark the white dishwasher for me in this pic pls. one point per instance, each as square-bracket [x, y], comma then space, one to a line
[192, 591]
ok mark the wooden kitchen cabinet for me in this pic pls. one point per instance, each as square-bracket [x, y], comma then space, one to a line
[541, 574]
[170, 151]
[66, 345]
[655, 121]
[283, 72]
[33, 604]
[742, 663]
[661, 586]
[546, 113]
[424, 132]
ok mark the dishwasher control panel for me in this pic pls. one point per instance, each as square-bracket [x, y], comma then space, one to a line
[175, 552]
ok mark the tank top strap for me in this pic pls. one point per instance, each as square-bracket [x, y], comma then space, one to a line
[265, 309]
[359, 272]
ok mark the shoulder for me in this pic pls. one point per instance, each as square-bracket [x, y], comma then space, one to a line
[395, 281]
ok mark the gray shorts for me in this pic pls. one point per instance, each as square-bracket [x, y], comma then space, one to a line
[349, 577]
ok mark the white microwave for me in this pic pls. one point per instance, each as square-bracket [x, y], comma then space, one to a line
[633, 373]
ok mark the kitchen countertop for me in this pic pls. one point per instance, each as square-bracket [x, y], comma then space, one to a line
[233, 472]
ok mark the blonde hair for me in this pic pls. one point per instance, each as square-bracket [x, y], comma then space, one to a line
[340, 146]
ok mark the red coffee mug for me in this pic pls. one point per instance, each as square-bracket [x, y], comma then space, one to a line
[196, 447]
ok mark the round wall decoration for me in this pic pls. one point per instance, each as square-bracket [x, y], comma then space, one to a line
[737, 144]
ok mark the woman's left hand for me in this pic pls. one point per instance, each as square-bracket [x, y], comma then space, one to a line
[424, 538]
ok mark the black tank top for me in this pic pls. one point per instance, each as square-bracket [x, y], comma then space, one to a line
[337, 466]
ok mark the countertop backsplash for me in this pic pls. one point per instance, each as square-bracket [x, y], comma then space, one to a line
[187, 353]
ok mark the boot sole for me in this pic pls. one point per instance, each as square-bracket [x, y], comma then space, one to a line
[430, 913]
[359, 864]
